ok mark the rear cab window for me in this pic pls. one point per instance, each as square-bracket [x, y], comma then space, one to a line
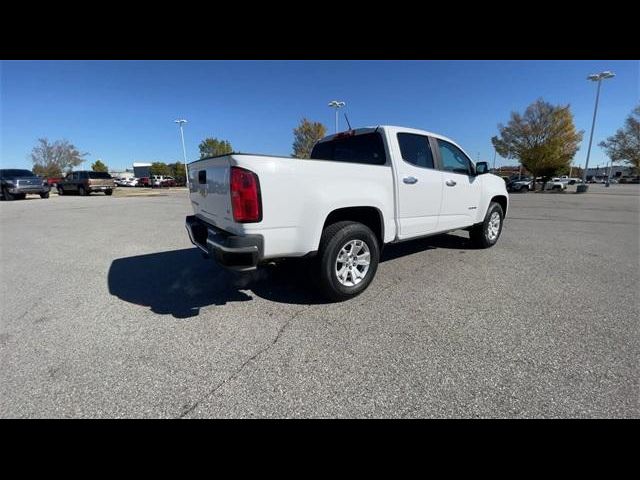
[102, 175]
[16, 173]
[364, 148]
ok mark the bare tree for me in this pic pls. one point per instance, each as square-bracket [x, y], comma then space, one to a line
[53, 158]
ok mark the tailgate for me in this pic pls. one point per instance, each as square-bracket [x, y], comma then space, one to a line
[209, 191]
[102, 182]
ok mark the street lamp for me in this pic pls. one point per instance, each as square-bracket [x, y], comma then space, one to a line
[596, 77]
[181, 122]
[337, 106]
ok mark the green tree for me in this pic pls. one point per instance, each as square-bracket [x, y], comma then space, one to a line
[98, 166]
[212, 147]
[305, 136]
[51, 159]
[178, 171]
[624, 146]
[544, 139]
[159, 168]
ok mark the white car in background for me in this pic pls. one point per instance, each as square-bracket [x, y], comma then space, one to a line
[126, 182]
[556, 184]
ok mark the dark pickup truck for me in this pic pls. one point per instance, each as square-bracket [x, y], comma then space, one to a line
[84, 182]
[17, 183]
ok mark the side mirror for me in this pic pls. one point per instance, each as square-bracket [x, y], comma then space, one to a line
[482, 167]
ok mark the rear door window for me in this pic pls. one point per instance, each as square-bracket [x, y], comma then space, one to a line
[415, 149]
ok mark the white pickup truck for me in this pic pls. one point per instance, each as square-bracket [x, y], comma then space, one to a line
[360, 190]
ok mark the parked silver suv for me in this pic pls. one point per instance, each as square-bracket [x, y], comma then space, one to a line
[16, 184]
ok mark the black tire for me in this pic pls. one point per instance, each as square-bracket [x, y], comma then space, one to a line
[82, 191]
[6, 195]
[334, 238]
[108, 192]
[60, 191]
[44, 195]
[479, 234]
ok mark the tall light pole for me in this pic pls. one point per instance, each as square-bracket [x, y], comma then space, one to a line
[181, 122]
[495, 152]
[596, 77]
[335, 104]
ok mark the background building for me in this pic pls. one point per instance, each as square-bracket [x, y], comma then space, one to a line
[600, 172]
[141, 169]
[128, 173]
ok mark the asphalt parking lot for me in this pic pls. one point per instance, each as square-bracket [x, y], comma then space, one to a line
[108, 311]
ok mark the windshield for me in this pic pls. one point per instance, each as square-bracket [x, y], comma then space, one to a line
[99, 175]
[365, 148]
[17, 173]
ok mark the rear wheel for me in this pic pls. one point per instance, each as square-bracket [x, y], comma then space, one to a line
[82, 191]
[60, 191]
[486, 234]
[108, 192]
[347, 259]
[44, 195]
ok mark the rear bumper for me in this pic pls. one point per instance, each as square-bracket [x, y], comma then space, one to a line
[240, 253]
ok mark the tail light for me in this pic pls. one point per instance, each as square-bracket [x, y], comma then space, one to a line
[245, 196]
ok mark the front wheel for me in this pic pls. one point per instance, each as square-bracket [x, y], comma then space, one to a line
[44, 195]
[348, 259]
[82, 191]
[486, 234]
[108, 192]
[6, 194]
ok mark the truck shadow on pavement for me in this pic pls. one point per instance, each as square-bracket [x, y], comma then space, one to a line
[180, 282]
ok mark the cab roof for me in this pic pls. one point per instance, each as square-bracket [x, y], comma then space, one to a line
[392, 129]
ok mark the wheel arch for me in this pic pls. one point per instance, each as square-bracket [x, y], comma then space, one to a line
[370, 216]
[502, 201]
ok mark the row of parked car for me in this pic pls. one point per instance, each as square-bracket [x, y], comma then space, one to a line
[517, 183]
[16, 184]
[523, 184]
[154, 181]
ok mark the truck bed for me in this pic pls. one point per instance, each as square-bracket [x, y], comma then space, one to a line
[296, 194]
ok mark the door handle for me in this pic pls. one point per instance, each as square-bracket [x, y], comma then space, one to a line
[451, 183]
[410, 180]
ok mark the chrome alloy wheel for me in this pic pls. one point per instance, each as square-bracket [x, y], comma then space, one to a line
[352, 263]
[493, 229]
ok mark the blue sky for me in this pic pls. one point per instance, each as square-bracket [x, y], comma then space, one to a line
[123, 111]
